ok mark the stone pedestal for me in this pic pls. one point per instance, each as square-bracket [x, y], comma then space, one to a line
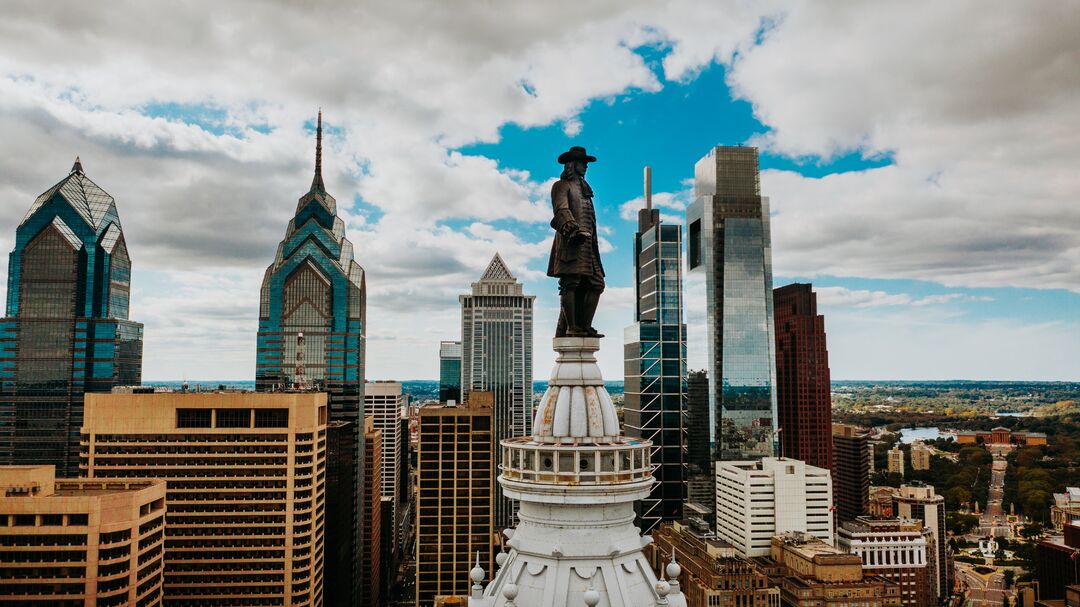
[577, 479]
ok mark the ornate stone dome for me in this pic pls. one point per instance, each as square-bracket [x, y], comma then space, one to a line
[576, 407]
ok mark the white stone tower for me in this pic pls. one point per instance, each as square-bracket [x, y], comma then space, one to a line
[577, 479]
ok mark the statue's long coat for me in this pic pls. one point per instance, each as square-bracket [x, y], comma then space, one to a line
[573, 210]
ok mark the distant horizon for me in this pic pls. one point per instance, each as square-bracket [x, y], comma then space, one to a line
[834, 381]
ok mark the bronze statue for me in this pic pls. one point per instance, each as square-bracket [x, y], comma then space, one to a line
[575, 254]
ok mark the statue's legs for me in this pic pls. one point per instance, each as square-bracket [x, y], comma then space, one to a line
[571, 302]
[590, 300]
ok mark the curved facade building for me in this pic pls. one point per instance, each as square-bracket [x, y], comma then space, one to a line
[311, 337]
[67, 330]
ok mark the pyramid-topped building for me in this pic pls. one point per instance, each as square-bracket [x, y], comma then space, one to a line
[67, 330]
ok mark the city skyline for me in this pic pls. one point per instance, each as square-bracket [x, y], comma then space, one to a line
[935, 224]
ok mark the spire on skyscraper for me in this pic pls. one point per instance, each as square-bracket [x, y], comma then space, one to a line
[317, 182]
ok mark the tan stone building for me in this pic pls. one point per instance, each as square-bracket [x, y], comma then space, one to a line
[920, 456]
[246, 479]
[371, 517]
[819, 575]
[455, 489]
[76, 542]
[712, 574]
[896, 461]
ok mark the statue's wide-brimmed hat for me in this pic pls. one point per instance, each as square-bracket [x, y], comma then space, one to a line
[575, 154]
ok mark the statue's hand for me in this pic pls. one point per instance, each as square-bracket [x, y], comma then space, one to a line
[579, 237]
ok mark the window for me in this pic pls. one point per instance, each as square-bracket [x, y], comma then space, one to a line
[271, 418]
[233, 418]
[193, 418]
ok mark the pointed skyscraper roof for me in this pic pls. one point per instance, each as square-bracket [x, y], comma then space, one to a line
[317, 184]
[95, 205]
[497, 270]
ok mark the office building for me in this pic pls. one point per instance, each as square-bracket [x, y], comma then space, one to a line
[497, 357]
[1066, 508]
[758, 499]
[896, 461]
[712, 574]
[919, 501]
[75, 542]
[851, 471]
[312, 324]
[1057, 562]
[815, 574]
[655, 363]
[371, 572]
[246, 475]
[901, 550]
[803, 391]
[383, 402]
[576, 478]
[920, 456]
[449, 371]
[455, 487]
[67, 331]
[729, 249]
[341, 487]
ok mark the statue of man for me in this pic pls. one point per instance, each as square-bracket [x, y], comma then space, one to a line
[575, 254]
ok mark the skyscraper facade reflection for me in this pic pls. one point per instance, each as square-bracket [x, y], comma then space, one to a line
[312, 324]
[655, 363]
[729, 246]
[67, 330]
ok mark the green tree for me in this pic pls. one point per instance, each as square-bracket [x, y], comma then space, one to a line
[1010, 577]
[1031, 530]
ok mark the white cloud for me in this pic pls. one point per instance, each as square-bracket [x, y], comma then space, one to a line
[865, 298]
[976, 105]
[983, 126]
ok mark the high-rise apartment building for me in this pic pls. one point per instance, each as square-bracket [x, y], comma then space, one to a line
[246, 474]
[896, 461]
[920, 502]
[67, 330]
[497, 357]
[920, 456]
[312, 324]
[449, 371]
[383, 402]
[341, 487]
[851, 471]
[729, 247]
[712, 574]
[758, 499]
[901, 550]
[76, 542]
[371, 571]
[803, 391]
[455, 489]
[655, 363]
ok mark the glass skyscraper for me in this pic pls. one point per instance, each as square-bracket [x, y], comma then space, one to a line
[655, 364]
[67, 330]
[312, 314]
[497, 357]
[728, 244]
[449, 371]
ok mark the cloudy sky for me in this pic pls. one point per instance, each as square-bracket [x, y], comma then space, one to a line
[921, 158]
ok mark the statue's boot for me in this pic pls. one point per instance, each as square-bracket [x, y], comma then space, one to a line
[590, 303]
[569, 316]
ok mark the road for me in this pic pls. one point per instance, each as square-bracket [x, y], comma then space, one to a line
[981, 592]
[993, 519]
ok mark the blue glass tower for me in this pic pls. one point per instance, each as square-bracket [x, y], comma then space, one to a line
[655, 363]
[729, 246]
[67, 330]
[311, 337]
